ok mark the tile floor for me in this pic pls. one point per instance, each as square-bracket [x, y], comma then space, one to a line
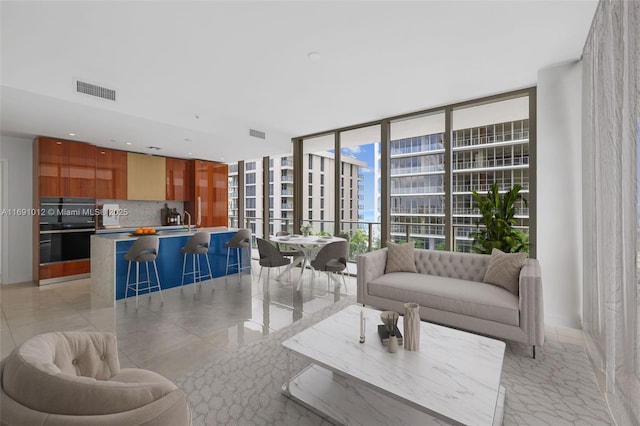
[172, 338]
[187, 330]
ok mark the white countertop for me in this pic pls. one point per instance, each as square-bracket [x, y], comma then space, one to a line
[133, 228]
[162, 232]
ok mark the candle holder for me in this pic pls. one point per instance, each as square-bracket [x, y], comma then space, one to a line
[363, 326]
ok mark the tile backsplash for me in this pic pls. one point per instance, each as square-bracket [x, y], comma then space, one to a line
[142, 213]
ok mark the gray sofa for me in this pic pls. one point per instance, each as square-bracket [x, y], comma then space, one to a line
[450, 290]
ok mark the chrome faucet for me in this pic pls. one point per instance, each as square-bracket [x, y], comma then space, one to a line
[188, 223]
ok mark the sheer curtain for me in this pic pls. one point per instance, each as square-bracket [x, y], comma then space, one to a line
[611, 133]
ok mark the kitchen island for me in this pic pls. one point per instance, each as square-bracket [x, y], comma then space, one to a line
[109, 268]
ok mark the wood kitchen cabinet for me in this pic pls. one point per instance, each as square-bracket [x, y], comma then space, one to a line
[63, 269]
[210, 194]
[111, 174]
[146, 175]
[65, 168]
[179, 179]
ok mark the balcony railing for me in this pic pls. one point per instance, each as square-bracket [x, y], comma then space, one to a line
[463, 211]
[415, 170]
[286, 178]
[365, 236]
[413, 149]
[487, 164]
[395, 190]
[417, 210]
[508, 136]
[502, 186]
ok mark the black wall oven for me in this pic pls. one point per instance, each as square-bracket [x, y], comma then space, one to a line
[66, 226]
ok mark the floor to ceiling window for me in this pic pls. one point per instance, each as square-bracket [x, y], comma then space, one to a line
[281, 194]
[417, 178]
[233, 196]
[490, 143]
[434, 159]
[360, 188]
[319, 184]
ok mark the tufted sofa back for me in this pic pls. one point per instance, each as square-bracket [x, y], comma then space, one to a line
[464, 266]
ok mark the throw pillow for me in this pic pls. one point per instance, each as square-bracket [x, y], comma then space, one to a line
[400, 257]
[504, 269]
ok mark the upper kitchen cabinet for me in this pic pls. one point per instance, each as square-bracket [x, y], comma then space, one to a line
[210, 203]
[111, 174]
[146, 177]
[65, 168]
[179, 179]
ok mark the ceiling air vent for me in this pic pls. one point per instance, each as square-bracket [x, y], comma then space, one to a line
[157, 148]
[93, 90]
[257, 134]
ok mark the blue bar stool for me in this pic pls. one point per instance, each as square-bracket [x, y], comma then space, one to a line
[241, 240]
[197, 245]
[143, 250]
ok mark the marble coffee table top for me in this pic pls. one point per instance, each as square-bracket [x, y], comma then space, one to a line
[455, 375]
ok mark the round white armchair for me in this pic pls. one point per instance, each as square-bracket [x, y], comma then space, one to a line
[74, 378]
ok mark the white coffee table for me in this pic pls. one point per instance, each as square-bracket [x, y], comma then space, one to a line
[453, 379]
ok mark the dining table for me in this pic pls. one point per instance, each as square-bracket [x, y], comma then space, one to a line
[308, 246]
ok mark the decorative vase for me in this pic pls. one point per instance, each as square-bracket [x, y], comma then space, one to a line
[393, 344]
[412, 326]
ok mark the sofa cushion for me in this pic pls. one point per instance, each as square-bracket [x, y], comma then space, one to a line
[400, 257]
[476, 299]
[504, 269]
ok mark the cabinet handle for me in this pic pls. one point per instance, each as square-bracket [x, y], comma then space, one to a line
[199, 215]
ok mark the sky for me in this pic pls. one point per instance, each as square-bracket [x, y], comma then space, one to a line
[366, 154]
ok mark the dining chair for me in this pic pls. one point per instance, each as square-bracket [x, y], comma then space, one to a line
[332, 258]
[285, 252]
[270, 257]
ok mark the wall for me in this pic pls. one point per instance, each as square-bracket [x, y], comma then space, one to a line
[559, 189]
[3, 224]
[17, 235]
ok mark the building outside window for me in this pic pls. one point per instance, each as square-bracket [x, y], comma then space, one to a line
[489, 143]
[320, 204]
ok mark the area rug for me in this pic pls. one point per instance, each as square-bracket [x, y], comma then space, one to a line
[244, 387]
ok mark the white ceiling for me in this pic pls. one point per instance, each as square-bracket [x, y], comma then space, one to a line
[208, 71]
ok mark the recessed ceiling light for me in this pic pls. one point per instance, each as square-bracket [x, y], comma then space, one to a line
[128, 143]
[313, 56]
[71, 134]
[190, 153]
[222, 158]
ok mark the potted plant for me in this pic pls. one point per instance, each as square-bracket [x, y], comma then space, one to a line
[306, 229]
[495, 228]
